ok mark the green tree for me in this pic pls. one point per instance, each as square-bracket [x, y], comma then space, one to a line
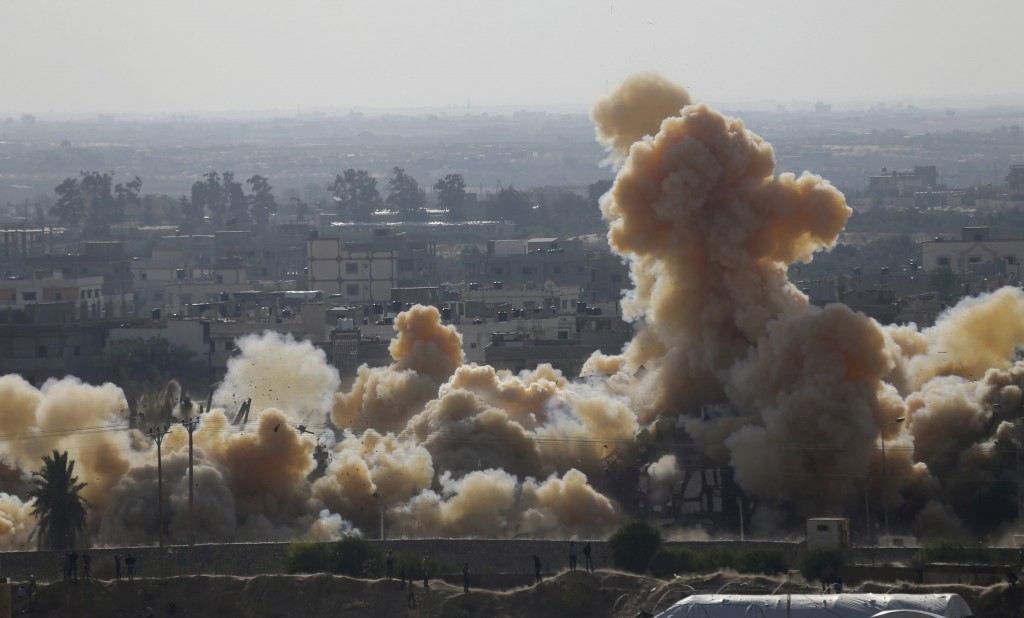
[101, 208]
[68, 207]
[405, 196]
[633, 545]
[127, 194]
[510, 204]
[208, 197]
[451, 196]
[261, 201]
[237, 203]
[88, 201]
[58, 503]
[191, 214]
[355, 193]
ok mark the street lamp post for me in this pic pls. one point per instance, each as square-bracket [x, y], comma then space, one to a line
[158, 433]
[885, 481]
[190, 424]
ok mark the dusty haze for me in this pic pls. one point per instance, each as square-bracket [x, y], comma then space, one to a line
[790, 396]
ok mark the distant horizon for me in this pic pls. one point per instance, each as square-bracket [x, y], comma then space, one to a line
[796, 106]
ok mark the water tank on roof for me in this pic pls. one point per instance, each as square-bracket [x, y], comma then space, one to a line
[581, 307]
[446, 314]
[378, 308]
[396, 306]
[497, 285]
[155, 314]
[345, 324]
[503, 316]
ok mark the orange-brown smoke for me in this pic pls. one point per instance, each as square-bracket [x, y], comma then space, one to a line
[795, 399]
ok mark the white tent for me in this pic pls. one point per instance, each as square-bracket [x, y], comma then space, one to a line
[814, 605]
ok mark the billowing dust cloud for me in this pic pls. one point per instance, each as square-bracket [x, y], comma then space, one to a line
[730, 368]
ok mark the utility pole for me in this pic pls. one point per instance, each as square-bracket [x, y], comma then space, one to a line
[158, 433]
[885, 481]
[190, 424]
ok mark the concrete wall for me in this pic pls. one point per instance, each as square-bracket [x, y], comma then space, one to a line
[493, 563]
[498, 563]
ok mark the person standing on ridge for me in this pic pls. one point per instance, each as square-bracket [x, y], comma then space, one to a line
[588, 562]
[536, 569]
[572, 555]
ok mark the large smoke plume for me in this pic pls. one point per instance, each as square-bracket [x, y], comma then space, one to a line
[728, 355]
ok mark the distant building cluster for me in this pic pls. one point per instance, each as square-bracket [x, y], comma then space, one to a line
[517, 302]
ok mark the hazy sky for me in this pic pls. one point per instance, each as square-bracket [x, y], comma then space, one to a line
[69, 56]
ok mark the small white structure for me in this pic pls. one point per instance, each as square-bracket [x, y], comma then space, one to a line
[814, 605]
[828, 532]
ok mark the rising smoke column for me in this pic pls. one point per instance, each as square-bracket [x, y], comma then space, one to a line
[791, 396]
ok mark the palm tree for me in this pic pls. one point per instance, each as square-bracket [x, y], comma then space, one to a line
[59, 506]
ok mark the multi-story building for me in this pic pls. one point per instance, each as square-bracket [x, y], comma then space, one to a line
[975, 251]
[107, 260]
[366, 271]
[17, 244]
[903, 183]
[539, 262]
[84, 293]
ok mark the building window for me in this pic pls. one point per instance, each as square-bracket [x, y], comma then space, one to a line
[1011, 260]
[472, 346]
[563, 335]
[974, 259]
[42, 352]
[81, 295]
[498, 270]
[527, 270]
[28, 296]
[943, 261]
[59, 296]
[77, 350]
[351, 268]
[229, 345]
[142, 276]
[352, 289]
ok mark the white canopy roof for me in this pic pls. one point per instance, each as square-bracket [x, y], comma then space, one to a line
[813, 605]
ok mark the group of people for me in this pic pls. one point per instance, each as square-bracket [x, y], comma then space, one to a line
[389, 569]
[70, 567]
[129, 563]
[588, 562]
